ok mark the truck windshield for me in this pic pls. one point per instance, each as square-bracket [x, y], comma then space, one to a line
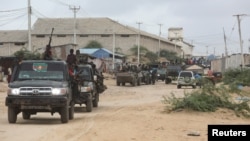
[84, 73]
[43, 71]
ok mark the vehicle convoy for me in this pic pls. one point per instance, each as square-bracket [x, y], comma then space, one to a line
[146, 77]
[85, 87]
[172, 72]
[40, 86]
[161, 74]
[128, 75]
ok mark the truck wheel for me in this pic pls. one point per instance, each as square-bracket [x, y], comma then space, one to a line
[64, 112]
[26, 115]
[12, 114]
[134, 82]
[117, 83]
[96, 100]
[123, 83]
[71, 110]
[178, 86]
[139, 82]
[89, 104]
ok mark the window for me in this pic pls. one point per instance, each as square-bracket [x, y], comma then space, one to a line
[19, 44]
[84, 35]
[105, 35]
[125, 35]
[61, 35]
[40, 36]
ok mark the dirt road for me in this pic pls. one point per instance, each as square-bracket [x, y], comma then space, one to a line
[125, 113]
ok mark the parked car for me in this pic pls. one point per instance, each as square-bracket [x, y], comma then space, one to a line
[186, 78]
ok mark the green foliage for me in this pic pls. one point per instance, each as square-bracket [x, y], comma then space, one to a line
[208, 99]
[93, 44]
[134, 50]
[151, 56]
[25, 54]
[169, 55]
[235, 77]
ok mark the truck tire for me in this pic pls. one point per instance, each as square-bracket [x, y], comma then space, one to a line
[134, 82]
[139, 81]
[96, 100]
[71, 110]
[117, 83]
[12, 114]
[26, 115]
[64, 112]
[89, 104]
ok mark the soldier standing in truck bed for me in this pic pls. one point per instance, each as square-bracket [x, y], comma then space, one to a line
[71, 58]
[47, 54]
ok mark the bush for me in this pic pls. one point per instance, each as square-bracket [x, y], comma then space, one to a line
[208, 99]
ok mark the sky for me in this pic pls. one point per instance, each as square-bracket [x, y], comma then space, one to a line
[202, 21]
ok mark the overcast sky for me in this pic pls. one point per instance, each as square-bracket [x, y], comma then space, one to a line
[202, 20]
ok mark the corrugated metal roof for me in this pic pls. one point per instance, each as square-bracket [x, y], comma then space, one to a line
[88, 50]
[13, 36]
[99, 52]
[83, 26]
[88, 26]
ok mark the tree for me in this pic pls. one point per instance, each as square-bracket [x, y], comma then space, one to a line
[153, 57]
[27, 55]
[172, 56]
[93, 44]
[134, 50]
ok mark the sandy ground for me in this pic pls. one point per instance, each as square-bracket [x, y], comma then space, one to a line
[125, 113]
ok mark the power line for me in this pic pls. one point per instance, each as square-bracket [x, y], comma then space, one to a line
[13, 10]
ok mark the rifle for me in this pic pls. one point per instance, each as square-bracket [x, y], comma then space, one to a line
[50, 38]
[47, 52]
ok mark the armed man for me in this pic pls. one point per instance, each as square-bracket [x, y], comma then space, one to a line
[47, 55]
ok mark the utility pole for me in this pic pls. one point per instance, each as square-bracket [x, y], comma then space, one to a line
[207, 50]
[225, 41]
[29, 27]
[74, 9]
[113, 50]
[241, 46]
[175, 41]
[139, 23]
[159, 40]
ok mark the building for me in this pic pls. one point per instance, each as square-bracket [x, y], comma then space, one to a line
[175, 35]
[12, 41]
[230, 62]
[110, 34]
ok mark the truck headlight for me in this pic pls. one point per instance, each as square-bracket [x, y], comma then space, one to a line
[59, 91]
[86, 89]
[13, 91]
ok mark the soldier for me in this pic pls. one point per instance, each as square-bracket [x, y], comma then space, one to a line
[99, 82]
[77, 56]
[71, 58]
[47, 54]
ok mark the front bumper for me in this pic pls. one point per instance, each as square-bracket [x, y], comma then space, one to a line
[33, 101]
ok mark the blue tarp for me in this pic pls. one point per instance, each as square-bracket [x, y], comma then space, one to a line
[99, 52]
